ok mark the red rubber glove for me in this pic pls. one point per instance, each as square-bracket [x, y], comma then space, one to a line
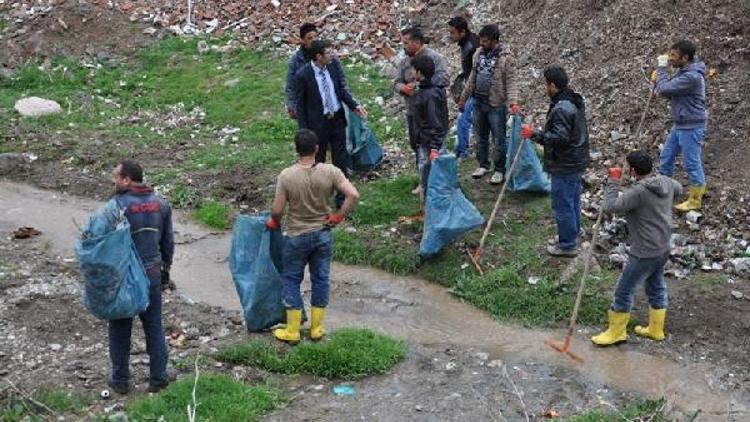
[433, 154]
[515, 108]
[334, 219]
[407, 89]
[615, 173]
[527, 131]
[272, 224]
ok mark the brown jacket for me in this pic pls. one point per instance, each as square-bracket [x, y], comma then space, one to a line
[504, 89]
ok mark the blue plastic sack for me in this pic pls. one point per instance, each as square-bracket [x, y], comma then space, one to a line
[448, 213]
[528, 175]
[362, 145]
[115, 282]
[256, 266]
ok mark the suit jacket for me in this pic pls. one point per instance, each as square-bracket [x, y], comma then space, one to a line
[309, 103]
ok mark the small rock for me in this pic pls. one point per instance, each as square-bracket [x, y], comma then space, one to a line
[418, 408]
[203, 47]
[737, 294]
[615, 136]
[150, 31]
[232, 83]
[694, 217]
[495, 363]
[35, 106]
[55, 347]
[450, 366]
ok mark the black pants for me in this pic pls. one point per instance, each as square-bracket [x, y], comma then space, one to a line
[333, 134]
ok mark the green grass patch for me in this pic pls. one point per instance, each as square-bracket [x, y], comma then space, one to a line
[347, 354]
[383, 201]
[219, 397]
[213, 214]
[16, 408]
[651, 410]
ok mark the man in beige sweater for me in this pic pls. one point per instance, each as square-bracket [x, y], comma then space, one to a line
[492, 84]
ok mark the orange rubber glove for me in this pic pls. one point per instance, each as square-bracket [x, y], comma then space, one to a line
[407, 89]
[515, 108]
[334, 219]
[615, 173]
[527, 131]
[433, 154]
[272, 224]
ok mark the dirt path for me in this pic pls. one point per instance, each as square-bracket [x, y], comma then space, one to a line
[457, 352]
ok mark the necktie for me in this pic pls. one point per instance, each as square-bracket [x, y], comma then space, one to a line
[327, 99]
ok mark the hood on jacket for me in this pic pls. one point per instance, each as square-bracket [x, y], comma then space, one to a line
[137, 190]
[695, 66]
[573, 97]
[660, 185]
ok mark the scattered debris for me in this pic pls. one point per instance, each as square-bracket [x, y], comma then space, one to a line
[343, 390]
[26, 233]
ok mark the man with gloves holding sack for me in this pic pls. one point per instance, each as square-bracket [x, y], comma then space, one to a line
[306, 188]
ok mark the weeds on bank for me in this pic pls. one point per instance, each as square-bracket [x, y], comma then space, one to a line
[347, 353]
[16, 407]
[645, 410]
[213, 214]
[219, 398]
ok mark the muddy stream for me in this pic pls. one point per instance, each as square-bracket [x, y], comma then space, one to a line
[422, 313]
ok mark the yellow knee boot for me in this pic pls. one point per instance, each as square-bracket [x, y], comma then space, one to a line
[317, 331]
[616, 332]
[694, 201]
[290, 333]
[655, 329]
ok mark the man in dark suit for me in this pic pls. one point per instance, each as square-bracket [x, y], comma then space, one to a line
[321, 95]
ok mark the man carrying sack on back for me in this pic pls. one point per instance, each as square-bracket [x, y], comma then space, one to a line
[306, 189]
[150, 218]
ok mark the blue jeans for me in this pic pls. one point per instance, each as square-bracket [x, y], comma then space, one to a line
[687, 141]
[490, 120]
[463, 127]
[119, 340]
[315, 249]
[637, 271]
[566, 204]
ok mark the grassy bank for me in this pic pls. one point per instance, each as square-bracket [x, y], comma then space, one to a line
[212, 133]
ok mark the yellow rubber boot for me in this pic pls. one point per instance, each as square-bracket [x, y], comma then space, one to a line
[317, 331]
[290, 334]
[616, 332]
[655, 329]
[694, 201]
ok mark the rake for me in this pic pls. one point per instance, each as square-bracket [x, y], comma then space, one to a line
[476, 256]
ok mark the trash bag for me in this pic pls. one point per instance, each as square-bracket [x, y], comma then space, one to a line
[115, 282]
[448, 213]
[256, 265]
[528, 175]
[364, 151]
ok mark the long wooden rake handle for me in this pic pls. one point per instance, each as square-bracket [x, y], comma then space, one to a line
[586, 267]
[478, 255]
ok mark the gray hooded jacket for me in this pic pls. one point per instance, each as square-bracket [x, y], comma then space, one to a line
[647, 207]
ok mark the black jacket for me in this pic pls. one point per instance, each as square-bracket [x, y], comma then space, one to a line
[431, 115]
[468, 45]
[565, 137]
[309, 104]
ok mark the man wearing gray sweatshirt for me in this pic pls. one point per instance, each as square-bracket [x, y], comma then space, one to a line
[647, 207]
[406, 84]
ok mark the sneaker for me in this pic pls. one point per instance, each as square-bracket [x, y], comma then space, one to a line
[497, 178]
[555, 250]
[417, 190]
[118, 388]
[479, 173]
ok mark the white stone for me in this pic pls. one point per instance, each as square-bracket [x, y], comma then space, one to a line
[35, 106]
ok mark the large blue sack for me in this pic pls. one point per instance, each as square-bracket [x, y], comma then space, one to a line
[448, 213]
[115, 282]
[528, 175]
[256, 266]
[362, 145]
